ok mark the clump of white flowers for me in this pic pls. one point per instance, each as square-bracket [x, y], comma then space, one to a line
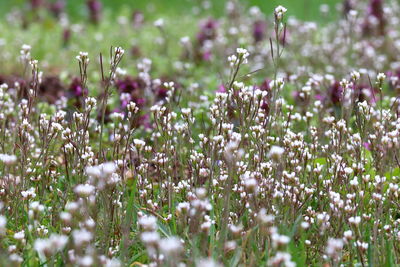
[276, 153]
[8, 159]
[83, 57]
[47, 247]
[280, 12]
[103, 175]
[239, 58]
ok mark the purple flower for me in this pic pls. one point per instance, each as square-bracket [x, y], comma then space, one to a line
[137, 19]
[36, 3]
[207, 55]
[208, 31]
[95, 8]
[266, 101]
[66, 36]
[367, 145]
[375, 10]
[57, 7]
[259, 30]
[76, 87]
[128, 84]
[335, 92]
[145, 121]
[51, 89]
[221, 89]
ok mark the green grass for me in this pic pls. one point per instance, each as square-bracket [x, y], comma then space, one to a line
[303, 9]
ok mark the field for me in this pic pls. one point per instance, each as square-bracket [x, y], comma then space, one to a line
[199, 133]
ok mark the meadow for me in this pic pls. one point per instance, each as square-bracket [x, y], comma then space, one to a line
[199, 133]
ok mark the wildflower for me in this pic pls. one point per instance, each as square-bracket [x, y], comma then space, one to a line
[95, 8]
[16, 258]
[139, 144]
[348, 235]
[19, 235]
[265, 218]
[150, 238]
[83, 57]
[170, 246]
[85, 261]
[28, 194]
[281, 259]
[8, 159]
[208, 262]
[279, 240]
[355, 220]
[81, 237]
[3, 224]
[159, 23]
[242, 54]
[25, 53]
[362, 245]
[259, 31]
[280, 12]
[148, 223]
[251, 185]
[47, 247]
[380, 78]
[84, 190]
[355, 75]
[276, 153]
[334, 248]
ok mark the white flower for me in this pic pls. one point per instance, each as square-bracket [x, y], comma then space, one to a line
[100, 175]
[265, 218]
[381, 77]
[348, 234]
[185, 40]
[48, 247]
[119, 52]
[139, 144]
[159, 23]
[207, 263]
[3, 224]
[150, 238]
[83, 57]
[8, 159]
[251, 185]
[36, 206]
[30, 193]
[281, 259]
[355, 220]
[81, 237]
[278, 83]
[86, 261]
[243, 54]
[279, 240]
[16, 258]
[186, 111]
[334, 247]
[108, 168]
[276, 152]
[84, 190]
[19, 235]
[148, 223]
[112, 263]
[279, 12]
[355, 75]
[171, 246]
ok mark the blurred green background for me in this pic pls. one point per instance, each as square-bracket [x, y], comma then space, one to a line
[302, 9]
